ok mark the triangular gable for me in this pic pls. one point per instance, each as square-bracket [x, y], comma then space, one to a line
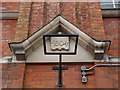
[22, 49]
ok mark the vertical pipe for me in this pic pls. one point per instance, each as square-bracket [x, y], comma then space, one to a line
[60, 71]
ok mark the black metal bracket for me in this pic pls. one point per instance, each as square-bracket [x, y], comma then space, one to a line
[84, 74]
[83, 71]
[60, 68]
[57, 68]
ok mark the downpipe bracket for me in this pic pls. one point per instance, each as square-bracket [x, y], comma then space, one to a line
[84, 78]
[84, 70]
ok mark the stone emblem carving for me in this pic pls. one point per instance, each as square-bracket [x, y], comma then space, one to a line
[60, 43]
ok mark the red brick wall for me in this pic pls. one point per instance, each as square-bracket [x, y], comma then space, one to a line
[37, 16]
[42, 76]
[23, 25]
[9, 28]
[79, 13]
[42, 13]
[86, 16]
[10, 6]
[107, 77]
[12, 75]
[111, 26]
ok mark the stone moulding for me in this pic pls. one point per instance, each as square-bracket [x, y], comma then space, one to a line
[98, 48]
[13, 15]
[9, 15]
[113, 13]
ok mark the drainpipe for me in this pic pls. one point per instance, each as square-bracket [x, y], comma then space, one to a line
[84, 69]
[98, 65]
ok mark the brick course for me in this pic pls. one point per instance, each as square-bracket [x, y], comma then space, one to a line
[10, 6]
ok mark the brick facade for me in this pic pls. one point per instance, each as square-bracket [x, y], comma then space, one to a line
[10, 6]
[12, 75]
[9, 27]
[32, 16]
[74, 12]
[42, 76]
[112, 28]
[23, 21]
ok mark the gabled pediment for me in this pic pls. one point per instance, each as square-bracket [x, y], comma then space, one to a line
[22, 50]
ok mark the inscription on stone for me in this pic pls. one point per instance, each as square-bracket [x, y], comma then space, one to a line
[59, 43]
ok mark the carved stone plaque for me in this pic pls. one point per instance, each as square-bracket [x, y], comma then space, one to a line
[59, 43]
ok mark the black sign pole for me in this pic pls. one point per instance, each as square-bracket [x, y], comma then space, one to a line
[60, 71]
[60, 68]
